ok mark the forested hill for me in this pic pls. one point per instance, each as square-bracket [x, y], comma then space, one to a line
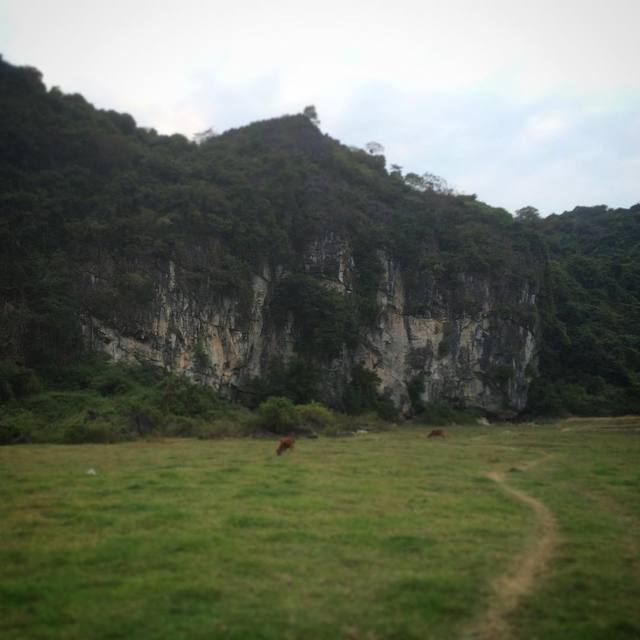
[101, 218]
[590, 358]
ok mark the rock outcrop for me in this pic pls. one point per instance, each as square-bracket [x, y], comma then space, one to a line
[472, 340]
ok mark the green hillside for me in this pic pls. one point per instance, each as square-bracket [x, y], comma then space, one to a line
[590, 359]
[81, 187]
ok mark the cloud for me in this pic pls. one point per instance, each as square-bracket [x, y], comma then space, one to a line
[543, 127]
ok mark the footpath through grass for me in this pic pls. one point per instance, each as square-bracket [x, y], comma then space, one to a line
[388, 535]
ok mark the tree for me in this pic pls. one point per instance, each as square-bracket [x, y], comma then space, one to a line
[278, 415]
[311, 113]
[427, 182]
[201, 362]
[527, 214]
[203, 136]
[374, 148]
[435, 183]
[415, 181]
[396, 172]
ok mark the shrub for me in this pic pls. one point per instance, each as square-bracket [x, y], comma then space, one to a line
[298, 380]
[440, 413]
[201, 360]
[101, 430]
[315, 415]
[53, 406]
[182, 426]
[20, 425]
[15, 433]
[180, 396]
[113, 381]
[415, 388]
[278, 415]
[361, 392]
[386, 408]
[144, 421]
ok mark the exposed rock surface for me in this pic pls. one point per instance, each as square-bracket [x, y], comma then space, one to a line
[459, 336]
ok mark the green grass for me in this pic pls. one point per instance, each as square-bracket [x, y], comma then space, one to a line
[386, 535]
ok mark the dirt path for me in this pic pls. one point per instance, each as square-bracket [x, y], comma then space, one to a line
[510, 588]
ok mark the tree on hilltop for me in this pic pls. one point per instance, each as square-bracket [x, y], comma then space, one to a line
[311, 113]
[374, 148]
[527, 214]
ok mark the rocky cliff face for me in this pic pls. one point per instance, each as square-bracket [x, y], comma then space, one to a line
[473, 340]
[481, 360]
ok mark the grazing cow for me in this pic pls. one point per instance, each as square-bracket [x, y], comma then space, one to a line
[285, 443]
[437, 432]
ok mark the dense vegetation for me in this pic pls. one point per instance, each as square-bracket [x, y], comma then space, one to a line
[590, 358]
[93, 208]
[97, 401]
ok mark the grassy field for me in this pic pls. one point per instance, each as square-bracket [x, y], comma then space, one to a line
[385, 535]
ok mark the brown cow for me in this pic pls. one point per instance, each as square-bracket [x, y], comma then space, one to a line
[437, 432]
[285, 443]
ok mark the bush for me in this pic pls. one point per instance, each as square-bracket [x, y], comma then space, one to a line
[278, 415]
[315, 415]
[415, 388]
[361, 393]
[101, 430]
[440, 413]
[20, 425]
[12, 432]
[386, 408]
[53, 406]
[144, 421]
[560, 399]
[298, 380]
[113, 381]
[182, 426]
[201, 360]
[182, 397]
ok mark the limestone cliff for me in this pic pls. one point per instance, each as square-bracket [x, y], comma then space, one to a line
[473, 340]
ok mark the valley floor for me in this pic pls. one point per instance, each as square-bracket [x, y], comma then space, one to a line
[521, 531]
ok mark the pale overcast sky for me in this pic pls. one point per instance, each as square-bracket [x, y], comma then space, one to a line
[524, 102]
